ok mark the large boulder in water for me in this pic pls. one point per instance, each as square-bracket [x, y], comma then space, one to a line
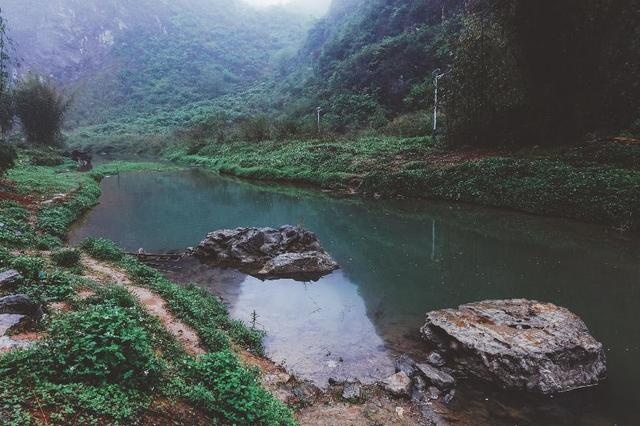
[266, 252]
[519, 344]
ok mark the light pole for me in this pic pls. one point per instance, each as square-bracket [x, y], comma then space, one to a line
[319, 110]
[437, 75]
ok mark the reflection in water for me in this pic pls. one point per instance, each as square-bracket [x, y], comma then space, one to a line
[399, 260]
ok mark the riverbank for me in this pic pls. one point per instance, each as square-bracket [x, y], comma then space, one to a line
[595, 182]
[110, 348]
[119, 343]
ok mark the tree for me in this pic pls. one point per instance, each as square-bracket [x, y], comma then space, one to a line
[41, 109]
[6, 104]
[544, 71]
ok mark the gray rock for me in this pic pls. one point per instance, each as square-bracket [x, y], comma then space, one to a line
[435, 376]
[305, 392]
[9, 278]
[20, 304]
[448, 398]
[399, 384]
[406, 364]
[11, 323]
[433, 393]
[352, 391]
[519, 344]
[8, 344]
[295, 264]
[435, 359]
[266, 252]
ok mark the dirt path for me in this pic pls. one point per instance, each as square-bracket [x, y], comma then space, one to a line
[151, 302]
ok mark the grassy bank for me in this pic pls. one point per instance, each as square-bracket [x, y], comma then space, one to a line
[98, 357]
[595, 182]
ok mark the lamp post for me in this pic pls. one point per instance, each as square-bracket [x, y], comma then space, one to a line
[437, 75]
[319, 110]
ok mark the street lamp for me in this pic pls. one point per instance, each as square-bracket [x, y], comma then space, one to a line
[437, 75]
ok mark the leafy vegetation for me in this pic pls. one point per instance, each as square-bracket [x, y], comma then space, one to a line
[105, 360]
[102, 249]
[41, 109]
[66, 258]
[595, 182]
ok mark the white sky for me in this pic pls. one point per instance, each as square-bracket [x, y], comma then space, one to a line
[265, 2]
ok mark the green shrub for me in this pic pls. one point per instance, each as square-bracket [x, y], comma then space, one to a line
[53, 286]
[41, 109]
[47, 242]
[103, 344]
[66, 258]
[230, 392]
[15, 230]
[255, 129]
[30, 267]
[102, 249]
[49, 159]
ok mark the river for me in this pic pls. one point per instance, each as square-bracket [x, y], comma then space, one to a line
[399, 260]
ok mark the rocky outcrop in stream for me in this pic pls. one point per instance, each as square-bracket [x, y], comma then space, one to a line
[286, 252]
[518, 344]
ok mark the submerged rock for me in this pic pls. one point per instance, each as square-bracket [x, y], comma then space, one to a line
[519, 344]
[266, 252]
[435, 376]
[406, 364]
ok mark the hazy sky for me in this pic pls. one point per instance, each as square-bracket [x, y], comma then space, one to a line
[265, 2]
[316, 7]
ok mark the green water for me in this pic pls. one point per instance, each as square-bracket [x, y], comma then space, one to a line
[399, 260]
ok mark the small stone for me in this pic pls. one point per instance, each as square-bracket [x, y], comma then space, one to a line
[305, 392]
[352, 391]
[399, 384]
[406, 364]
[435, 376]
[400, 412]
[435, 359]
[449, 396]
[433, 392]
[417, 394]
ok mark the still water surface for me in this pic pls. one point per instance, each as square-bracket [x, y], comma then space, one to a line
[399, 260]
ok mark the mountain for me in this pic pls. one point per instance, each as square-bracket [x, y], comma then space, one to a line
[370, 60]
[122, 57]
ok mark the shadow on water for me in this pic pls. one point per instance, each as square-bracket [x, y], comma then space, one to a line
[399, 260]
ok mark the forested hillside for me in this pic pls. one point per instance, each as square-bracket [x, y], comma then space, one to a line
[519, 71]
[121, 58]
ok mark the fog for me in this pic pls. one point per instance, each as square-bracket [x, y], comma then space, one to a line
[312, 7]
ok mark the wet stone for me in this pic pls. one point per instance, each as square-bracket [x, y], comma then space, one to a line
[519, 344]
[436, 376]
[399, 384]
[352, 391]
[406, 364]
[435, 359]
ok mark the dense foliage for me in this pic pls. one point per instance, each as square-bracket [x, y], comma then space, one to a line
[103, 358]
[41, 109]
[544, 72]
